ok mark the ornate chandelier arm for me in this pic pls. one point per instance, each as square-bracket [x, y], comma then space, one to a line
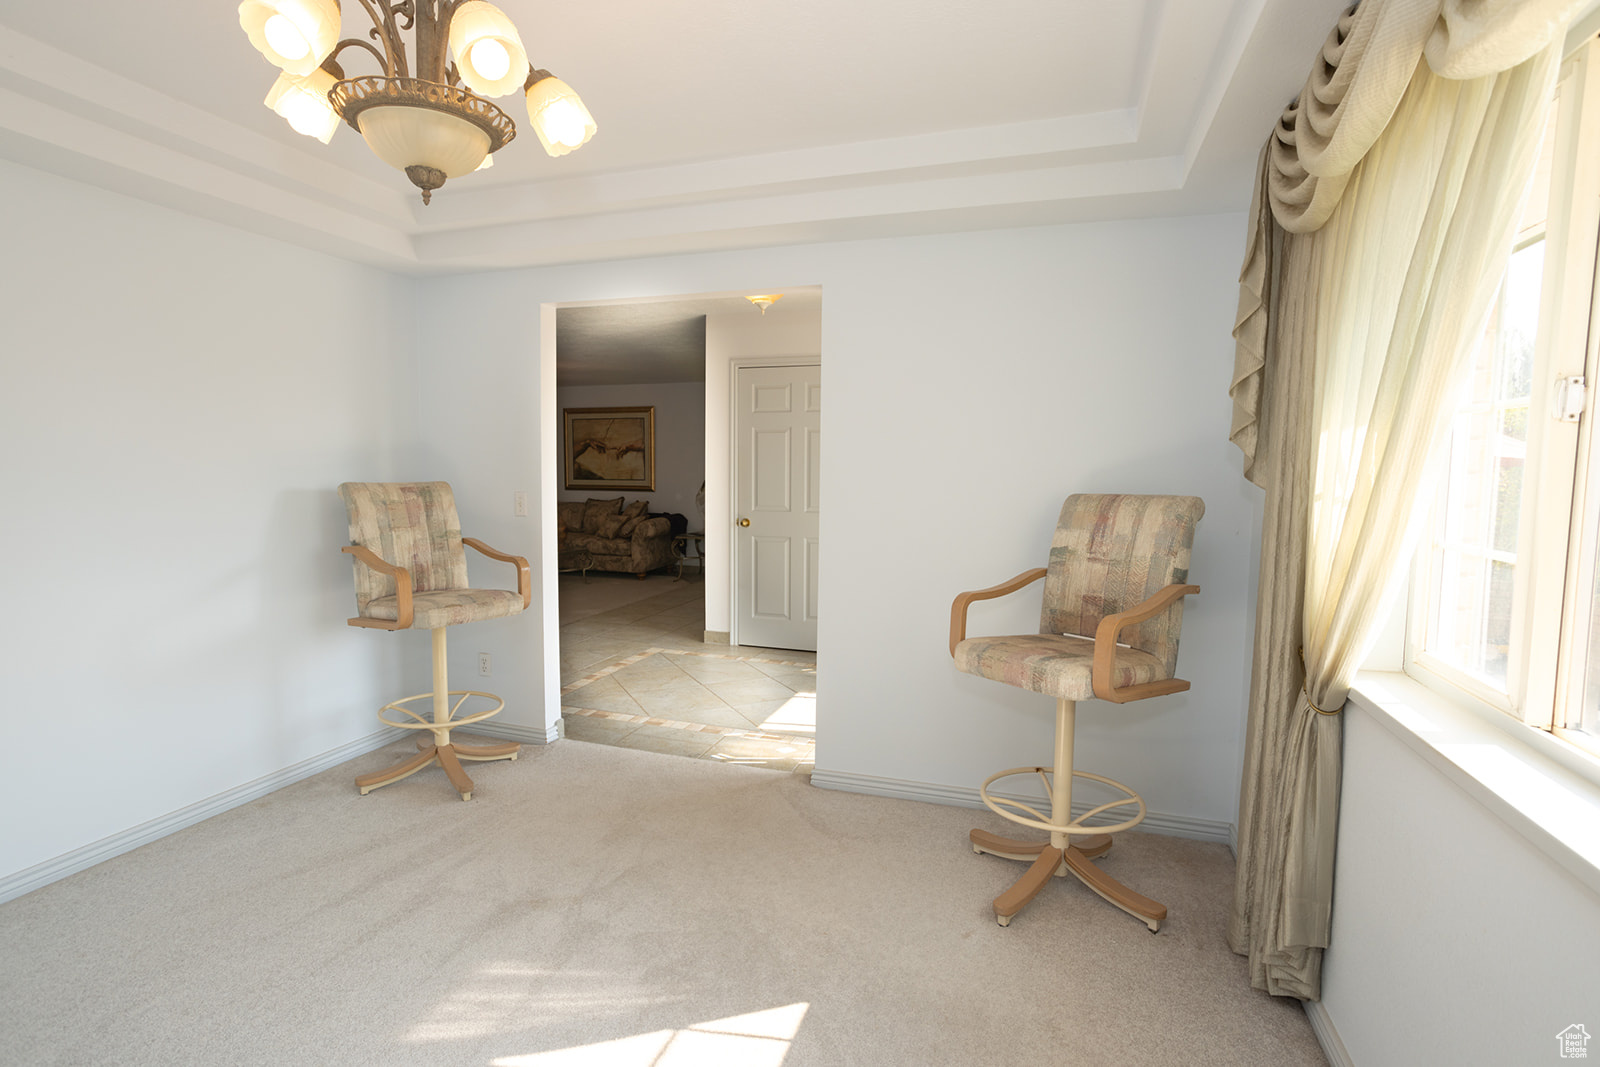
[433, 40]
[387, 33]
[352, 42]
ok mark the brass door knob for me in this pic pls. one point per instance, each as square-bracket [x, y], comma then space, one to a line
[744, 522]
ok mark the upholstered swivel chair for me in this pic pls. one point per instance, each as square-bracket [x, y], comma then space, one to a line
[411, 571]
[1113, 605]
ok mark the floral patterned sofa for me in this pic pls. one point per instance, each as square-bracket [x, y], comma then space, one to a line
[618, 538]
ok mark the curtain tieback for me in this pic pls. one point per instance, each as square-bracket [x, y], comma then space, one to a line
[1313, 706]
[1305, 688]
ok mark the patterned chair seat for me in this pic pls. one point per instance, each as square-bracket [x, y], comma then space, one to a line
[1054, 664]
[448, 607]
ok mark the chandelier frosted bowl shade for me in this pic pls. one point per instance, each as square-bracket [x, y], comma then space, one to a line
[489, 54]
[416, 137]
[558, 116]
[303, 101]
[430, 131]
[294, 35]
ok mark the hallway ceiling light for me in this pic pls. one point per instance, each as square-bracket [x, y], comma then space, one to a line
[765, 300]
[431, 125]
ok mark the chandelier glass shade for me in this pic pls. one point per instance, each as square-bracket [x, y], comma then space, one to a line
[294, 35]
[409, 136]
[489, 54]
[302, 100]
[432, 122]
[559, 117]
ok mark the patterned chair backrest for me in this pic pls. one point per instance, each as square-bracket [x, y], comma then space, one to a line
[411, 525]
[1113, 552]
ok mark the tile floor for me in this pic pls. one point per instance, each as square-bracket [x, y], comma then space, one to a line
[636, 672]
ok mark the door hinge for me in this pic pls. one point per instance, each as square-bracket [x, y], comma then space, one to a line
[1571, 395]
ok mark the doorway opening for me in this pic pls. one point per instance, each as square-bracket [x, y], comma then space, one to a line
[644, 413]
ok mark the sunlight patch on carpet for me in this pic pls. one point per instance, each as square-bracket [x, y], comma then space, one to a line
[756, 1039]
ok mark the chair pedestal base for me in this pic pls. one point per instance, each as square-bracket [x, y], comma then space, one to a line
[1076, 860]
[448, 756]
[1073, 845]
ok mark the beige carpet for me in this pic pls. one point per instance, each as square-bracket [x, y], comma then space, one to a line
[601, 906]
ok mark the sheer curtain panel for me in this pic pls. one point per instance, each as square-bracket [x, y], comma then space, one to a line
[1385, 206]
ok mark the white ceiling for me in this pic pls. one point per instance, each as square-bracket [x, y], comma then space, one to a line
[723, 124]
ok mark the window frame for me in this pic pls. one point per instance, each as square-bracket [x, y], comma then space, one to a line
[1581, 337]
[1556, 547]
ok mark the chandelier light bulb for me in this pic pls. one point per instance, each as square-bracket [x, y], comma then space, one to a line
[491, 59]
[563, 123]
[303, 103]
[286, 38]
[489, 54]
[558, 116]
[304, 117]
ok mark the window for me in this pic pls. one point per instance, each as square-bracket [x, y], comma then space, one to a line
[1506, 591]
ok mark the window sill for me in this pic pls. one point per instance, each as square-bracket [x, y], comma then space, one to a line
[1539, 791]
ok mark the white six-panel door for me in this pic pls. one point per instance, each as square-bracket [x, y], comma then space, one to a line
[777, 457]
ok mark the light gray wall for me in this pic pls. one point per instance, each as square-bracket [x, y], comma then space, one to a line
[1454, 939]
[680, 440]
[971, 382]
[178, 403]
[499, 437]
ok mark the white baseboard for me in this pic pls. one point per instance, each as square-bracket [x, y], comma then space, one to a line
[42, 874]
[510, 731]
[965, 797]
[1327, 1035]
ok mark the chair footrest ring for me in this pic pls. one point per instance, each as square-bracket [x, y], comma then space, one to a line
[420, 723]
[1077, 826]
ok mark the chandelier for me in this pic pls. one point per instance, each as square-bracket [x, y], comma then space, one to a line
[427, 123]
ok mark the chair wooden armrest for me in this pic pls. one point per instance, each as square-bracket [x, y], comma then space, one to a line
[524, 578]
[1105, 648]
[402, 589]
[958, 608]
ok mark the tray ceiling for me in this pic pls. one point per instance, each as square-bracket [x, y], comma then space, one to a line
[722, 124]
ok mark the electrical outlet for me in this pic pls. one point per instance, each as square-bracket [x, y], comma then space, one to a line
[519, 502]
[483, 663]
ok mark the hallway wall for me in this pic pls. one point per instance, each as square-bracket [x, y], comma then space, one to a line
[680, 440]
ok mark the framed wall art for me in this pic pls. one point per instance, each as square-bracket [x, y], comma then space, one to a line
[610, 448]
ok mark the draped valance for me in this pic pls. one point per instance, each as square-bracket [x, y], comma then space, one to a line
[1355, 85]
